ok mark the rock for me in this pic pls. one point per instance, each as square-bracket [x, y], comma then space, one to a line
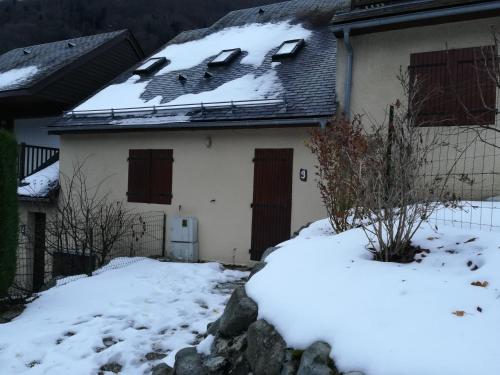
[213, 328]
[256, 268]
[112, 367]
[268, 251]
[239, 313]
[291, 362]
[188, 362]
[354, 373]
[162, 369]
[229, 348]
[155, 356]
[216, 365]
[265, 349]
[240, 367]
[316, 360]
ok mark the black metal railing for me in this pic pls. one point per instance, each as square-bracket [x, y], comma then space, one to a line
[355, 4]
[35, 158]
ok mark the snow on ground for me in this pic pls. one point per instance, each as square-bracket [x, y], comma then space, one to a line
[388, 318]
[39, 184]
[130, 315]
[15, 76]
[256, 40]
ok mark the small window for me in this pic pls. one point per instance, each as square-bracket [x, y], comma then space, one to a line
[150, 176]
[225, 57]
[289, 48]
[152, 64]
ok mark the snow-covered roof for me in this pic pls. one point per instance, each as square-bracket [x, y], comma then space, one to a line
[187, 87]
[41, 183]
[23, 67]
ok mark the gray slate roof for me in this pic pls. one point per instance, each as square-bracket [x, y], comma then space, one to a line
[308, 78]
[50, 57]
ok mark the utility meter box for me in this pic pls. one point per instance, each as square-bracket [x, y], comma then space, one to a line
[183, 238]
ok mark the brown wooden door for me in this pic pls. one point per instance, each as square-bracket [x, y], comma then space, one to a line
[272, 199]
[39, 251]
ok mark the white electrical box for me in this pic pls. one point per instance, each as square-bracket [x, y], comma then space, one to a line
[184, 251]
[183, 229]
[183, 238]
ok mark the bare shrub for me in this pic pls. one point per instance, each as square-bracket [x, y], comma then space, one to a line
[397, 193]
[85, 221]
[339, 148]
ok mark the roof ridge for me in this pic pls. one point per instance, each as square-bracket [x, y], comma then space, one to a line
[116, 33]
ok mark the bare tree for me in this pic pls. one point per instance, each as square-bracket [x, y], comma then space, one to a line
[86, 222]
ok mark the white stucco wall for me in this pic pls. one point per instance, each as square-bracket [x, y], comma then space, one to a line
[222, 173]
[378, 58]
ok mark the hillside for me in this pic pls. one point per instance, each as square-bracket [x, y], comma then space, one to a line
[153, 22]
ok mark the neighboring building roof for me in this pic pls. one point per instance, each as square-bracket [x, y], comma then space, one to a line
[44, 74]
[367, 16]
[186, 92]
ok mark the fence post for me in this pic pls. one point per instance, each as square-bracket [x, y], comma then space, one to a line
[22, 160]
[164, 237]
[91, 254]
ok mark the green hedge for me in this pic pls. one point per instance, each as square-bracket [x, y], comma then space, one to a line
[8, 209]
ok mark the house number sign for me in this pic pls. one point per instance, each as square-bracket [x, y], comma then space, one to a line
[303, 174]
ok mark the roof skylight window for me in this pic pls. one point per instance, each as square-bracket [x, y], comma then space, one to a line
[288, 48]
[151, 64]
[225, 57]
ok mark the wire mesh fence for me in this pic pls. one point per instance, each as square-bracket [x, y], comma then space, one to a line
[39, 261]
[468, 157]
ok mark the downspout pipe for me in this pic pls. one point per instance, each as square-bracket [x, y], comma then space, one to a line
[348, 74]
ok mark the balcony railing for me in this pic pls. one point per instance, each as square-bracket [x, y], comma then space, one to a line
[35, 158]
[369, 3]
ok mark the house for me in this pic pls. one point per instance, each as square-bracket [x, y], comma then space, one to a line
[214, 126]
[440, 44]
[38, 83]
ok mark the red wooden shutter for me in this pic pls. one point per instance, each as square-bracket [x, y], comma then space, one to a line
[139, 171]
[430, 74]
[454, 87]
[161, 176]
[475, 88]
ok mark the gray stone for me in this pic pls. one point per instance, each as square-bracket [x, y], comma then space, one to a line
[258, 266]
[239, 313]
[291, 362]
[112, 367]
[268, 251]
[213, 328]
[354, 373]
[316, 360]
[265, 349]
[188, 362]
[162, 369]
[216, 365]
[229, 348]
[240, 367]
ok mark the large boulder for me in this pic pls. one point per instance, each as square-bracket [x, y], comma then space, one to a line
[240, 312]
[188, 362]
[265, 349]
[316, 360]
[162, 369]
